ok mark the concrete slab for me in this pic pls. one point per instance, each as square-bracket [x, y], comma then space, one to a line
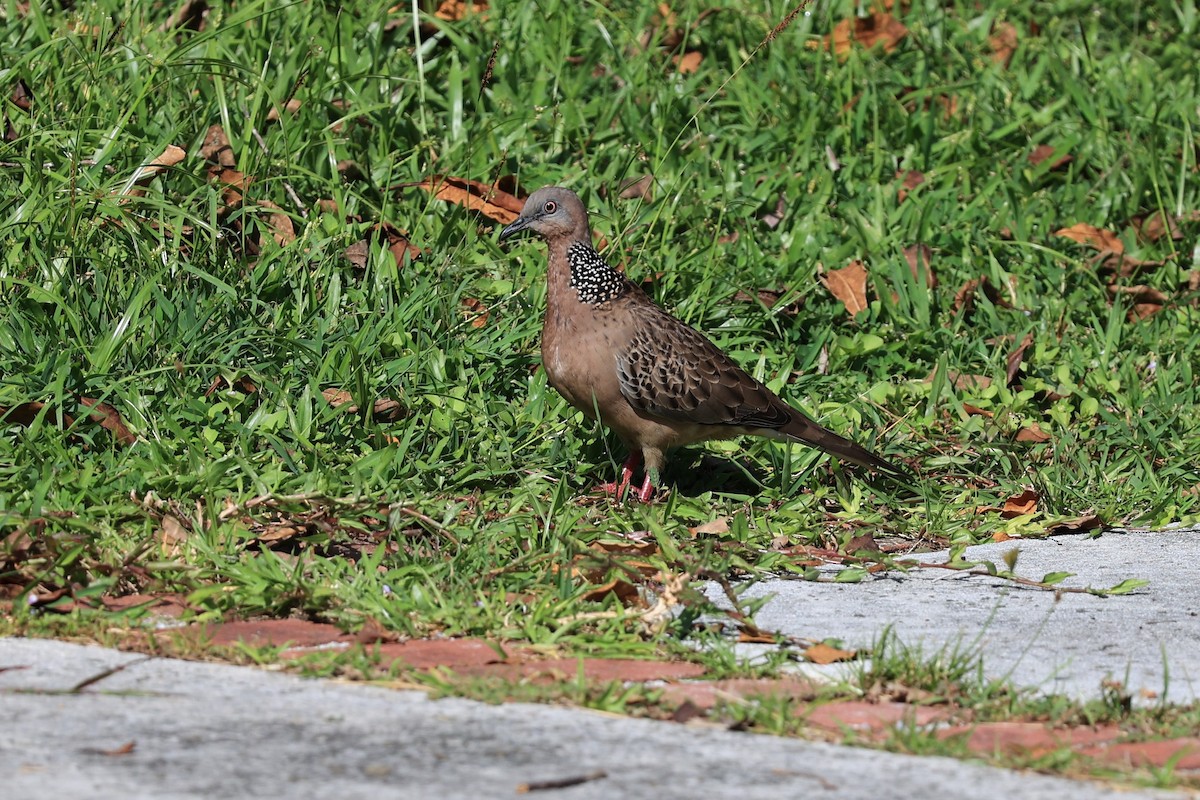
[1057, 643]
[209, 730]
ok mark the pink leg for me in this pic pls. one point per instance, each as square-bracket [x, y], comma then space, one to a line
[618, 489]
[647, 491]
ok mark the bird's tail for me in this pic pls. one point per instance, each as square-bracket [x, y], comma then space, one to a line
[805, 430]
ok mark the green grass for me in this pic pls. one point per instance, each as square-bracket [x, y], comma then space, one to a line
[469, 514]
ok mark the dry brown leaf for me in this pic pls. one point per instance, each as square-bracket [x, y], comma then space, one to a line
[109, 419]
[102, 413]
[1087, 522]
[358, 254]
[687, 63]
[189, 16]
[145, 173]
[918, 258]
[757, 636]
[770, 298]
[963, 381]
[454, 10]
[402, 250]
[383, 409]
[1092, 236]
[716, 526]
[1003, 42]
[1001, 536]
[167, 159]
[864, 541]
[773, 218]
[171, 536]
[849, 285]
[291, 107]
[280, 224]
[487, 200]
[912, 179]
[1043, 152]
[976, 411]
[22, 96]
[1016, 358]
[1020, 504]
[821, 653]
[216, 147]
[637, 189]
[1146, 300]
[879, 28]
[964, 298]
[373, 632]
[476, 311]
[1032, 434]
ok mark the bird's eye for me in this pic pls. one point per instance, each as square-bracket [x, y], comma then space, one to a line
[550, 207]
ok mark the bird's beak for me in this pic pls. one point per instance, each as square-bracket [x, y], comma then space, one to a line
[516, 226]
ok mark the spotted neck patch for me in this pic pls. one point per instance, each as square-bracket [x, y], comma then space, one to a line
[591, 277]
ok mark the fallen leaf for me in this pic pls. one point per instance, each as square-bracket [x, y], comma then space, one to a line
[1032, 434]
[190, 15]
[122, 750]
[821, 653]
[1043, 152]
[1001, 536]
[487, 200]
[1092, 236]
[687, 63]
[773, 218]
[757, 636]
[849, 285]
[109, 419]
[1146, 300]
[1122, 264]
[22, 95]
[384, 409]
[976, 411]
[171, 536]
[349, 170]
[962, 380]
[637, 189]
[279, 223]
[476, 311]
[291, 107]
[1020, 504]
[1087, 522]
[770, 298]
[1003, 42]
[964, 298]
[1159, 224]
[402, 250]
[216, 147]
[912, 179]
[716, 526]
[454, 10]
[373, 632]
[879, 28]
[918, 256]
[102, 413]
[1016, 358]
[864, 541]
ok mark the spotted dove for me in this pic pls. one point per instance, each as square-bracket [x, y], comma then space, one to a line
[659, 384]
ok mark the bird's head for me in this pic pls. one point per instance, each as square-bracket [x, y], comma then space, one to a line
[551, 213]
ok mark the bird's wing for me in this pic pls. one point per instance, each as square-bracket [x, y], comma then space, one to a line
[672, 371]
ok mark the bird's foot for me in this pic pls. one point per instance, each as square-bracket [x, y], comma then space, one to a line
[617, 489]
[647, 491]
